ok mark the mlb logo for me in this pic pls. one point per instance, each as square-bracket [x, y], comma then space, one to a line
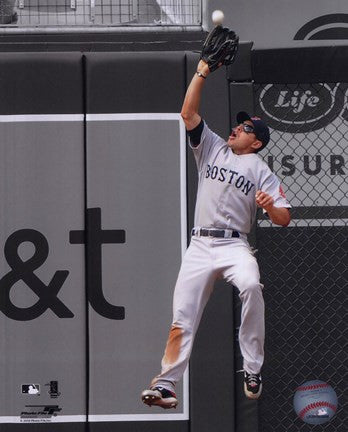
[31, 389]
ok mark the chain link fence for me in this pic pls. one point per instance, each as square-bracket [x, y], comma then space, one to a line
[62, 13]
[304, 267]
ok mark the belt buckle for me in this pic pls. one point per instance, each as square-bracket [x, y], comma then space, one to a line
[212, 233]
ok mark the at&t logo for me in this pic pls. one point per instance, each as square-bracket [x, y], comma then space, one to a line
[92, 237]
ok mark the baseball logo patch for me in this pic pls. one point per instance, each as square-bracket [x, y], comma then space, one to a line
[281, 191]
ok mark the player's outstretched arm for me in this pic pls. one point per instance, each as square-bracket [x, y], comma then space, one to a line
[278, 215]
[190, 107]
[220, 47]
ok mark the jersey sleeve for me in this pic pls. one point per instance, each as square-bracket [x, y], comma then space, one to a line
[208, 141]
[271, 185]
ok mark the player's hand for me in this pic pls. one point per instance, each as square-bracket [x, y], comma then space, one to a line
[264, 200]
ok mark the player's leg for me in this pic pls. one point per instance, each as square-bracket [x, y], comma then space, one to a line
[192, 291]
[243, 272]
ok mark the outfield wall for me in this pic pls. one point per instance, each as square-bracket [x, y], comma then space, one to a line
[97, 200]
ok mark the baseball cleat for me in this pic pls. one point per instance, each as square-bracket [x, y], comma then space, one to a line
[159, 396]
[252, 385]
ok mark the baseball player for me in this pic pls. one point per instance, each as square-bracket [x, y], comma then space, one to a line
[233, 182]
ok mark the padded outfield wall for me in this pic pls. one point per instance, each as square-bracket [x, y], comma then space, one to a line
[97, 200]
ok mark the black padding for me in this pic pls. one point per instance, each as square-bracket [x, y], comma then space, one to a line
[212, 367]
[240, 70]
[246, 410]
[154, 40]
[215, 111]
[148, 82]
[44, 427]
[212, 361]
[300, 65]
[214, 100]
[128, 426]
[241, 99]
[140, 426]
[305, 276]
[192, 176]
[41, 83]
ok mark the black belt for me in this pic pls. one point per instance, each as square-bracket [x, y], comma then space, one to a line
[212, 232]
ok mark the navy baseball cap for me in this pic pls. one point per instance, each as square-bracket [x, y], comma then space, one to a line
[260, 128]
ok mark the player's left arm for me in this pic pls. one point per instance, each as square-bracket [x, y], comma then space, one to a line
[278, 215]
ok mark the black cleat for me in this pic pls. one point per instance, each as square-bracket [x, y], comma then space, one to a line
[159, 396]
[252, 385]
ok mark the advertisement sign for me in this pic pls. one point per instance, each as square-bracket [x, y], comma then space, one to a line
[42, 277]
[136, 196]
[308, 148]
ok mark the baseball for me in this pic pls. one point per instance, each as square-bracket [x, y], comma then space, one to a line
[217, 17]
[315, 402]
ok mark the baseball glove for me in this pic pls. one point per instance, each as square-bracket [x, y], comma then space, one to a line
[220, 47]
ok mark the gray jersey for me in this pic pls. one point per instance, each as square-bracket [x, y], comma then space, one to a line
[228, 183]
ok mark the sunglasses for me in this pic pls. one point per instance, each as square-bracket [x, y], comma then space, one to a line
[247, 128]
